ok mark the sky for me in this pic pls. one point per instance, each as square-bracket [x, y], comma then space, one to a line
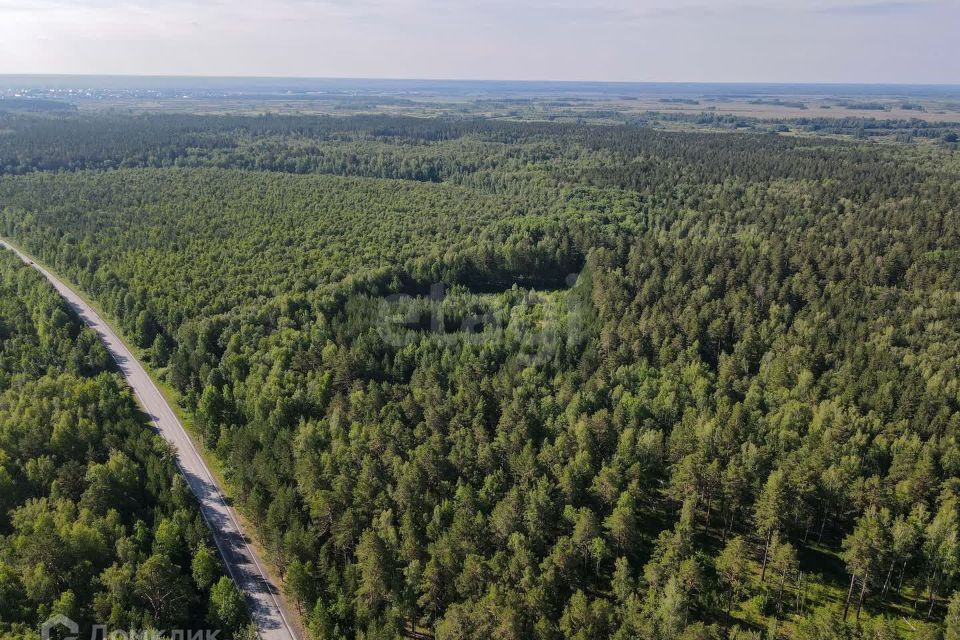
[869, 41]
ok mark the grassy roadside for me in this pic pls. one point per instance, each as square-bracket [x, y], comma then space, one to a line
[213, 462]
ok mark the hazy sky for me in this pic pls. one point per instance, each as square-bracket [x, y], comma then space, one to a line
[657, 40]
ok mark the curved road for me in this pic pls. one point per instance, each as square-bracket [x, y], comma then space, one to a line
[245, 565]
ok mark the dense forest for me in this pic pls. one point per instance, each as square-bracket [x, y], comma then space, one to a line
[95, 522]
[483, 379]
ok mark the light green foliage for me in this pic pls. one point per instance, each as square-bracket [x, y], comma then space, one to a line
[733, 565]
[227, 610]
[952, 631]
[204, 567]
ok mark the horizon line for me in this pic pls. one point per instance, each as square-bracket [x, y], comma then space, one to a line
[478, 80]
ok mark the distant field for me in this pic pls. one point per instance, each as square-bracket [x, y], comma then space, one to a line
[594, 101]
[820, 108]
[436, 105]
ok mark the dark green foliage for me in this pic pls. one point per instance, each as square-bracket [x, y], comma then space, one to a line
[745, 407]
[92, 524]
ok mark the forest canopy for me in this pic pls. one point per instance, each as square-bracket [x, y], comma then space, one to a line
[95, 522]
[475, 379]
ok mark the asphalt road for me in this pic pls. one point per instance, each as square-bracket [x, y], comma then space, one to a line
[244, 564]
